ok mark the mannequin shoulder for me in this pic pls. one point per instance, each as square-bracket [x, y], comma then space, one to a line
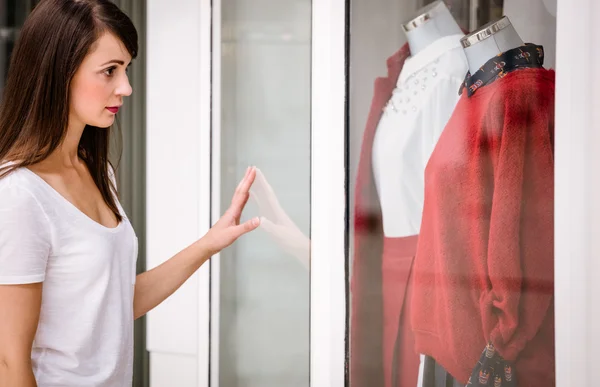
[534, 87]
[453, 65]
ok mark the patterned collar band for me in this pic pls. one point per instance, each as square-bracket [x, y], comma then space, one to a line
[526, 56]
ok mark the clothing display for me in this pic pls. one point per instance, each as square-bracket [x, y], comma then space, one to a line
[410, 108]
[85, 331]
[485, 258]
[525, 57]
[492, 370]
[400, 361]
[434, 375]
[412, 121]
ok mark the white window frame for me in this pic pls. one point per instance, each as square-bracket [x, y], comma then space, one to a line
[577, 193]
[205, 321]
[328, 195]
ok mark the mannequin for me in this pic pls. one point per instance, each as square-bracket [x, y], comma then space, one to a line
[432, 35]
[490, 40]
[423, 97]
[434, 21]
[487, 223]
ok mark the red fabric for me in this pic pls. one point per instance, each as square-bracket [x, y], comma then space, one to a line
[398, 257]
[366, 318]
[485, 258]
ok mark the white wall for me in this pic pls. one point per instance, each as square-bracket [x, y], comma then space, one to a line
[176, 166]
[577, 187]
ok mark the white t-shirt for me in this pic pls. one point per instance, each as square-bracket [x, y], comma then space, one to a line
[425, 96]
[85, 331]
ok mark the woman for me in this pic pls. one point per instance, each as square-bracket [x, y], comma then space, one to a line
[68, 288]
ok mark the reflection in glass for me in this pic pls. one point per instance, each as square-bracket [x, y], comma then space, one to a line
[265, 121]
[276, 222]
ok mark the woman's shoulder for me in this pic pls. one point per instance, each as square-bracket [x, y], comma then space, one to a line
[19, 188]
[24, 212]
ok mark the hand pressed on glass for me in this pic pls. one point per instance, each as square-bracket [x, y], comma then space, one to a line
[228, 228]
[154, 286]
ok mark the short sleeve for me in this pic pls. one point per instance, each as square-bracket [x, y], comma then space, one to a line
[25, 237]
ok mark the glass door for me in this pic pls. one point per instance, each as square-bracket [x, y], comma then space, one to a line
[261, 108]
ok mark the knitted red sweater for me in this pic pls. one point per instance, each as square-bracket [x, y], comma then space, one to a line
[484, 268]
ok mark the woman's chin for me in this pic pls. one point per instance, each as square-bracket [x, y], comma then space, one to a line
[104, 123]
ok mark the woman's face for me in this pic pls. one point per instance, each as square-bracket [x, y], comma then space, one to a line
[100, 83]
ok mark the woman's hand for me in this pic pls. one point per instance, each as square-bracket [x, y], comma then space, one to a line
[228, 229]
[154, 286]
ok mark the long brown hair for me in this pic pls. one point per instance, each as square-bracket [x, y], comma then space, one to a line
[34, 112]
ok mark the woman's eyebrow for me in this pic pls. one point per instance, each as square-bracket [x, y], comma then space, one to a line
[118, 61]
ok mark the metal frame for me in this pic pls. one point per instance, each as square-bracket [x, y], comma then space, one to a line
[215, 141]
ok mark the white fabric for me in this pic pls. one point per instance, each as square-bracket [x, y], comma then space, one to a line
[85, 332]
[423, 101]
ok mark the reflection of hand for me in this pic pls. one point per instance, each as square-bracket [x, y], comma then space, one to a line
[228, 228]
[277, 223]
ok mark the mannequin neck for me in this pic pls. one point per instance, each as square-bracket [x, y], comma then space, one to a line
[479, 53]
[440, 23]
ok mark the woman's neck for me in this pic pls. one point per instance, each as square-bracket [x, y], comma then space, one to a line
[67, 153]
[432, 23]
[479, 52]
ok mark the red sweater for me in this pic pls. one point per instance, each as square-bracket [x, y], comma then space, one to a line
[484, 268]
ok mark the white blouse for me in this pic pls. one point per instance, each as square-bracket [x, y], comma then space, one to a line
[422, 102]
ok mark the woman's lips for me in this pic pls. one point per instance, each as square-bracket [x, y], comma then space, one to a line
[113, 109]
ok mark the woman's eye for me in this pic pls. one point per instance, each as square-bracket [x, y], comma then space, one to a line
[109, 71]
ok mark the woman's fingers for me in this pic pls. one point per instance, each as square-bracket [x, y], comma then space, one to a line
[245, 227]
[243, 179]
[242, 193]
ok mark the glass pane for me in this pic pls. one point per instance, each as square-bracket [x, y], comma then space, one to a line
[265, 121]
[452, 164]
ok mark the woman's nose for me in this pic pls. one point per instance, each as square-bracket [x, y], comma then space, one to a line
[124, 88]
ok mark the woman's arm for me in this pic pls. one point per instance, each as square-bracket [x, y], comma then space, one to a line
[154, 286]
[20, 310]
